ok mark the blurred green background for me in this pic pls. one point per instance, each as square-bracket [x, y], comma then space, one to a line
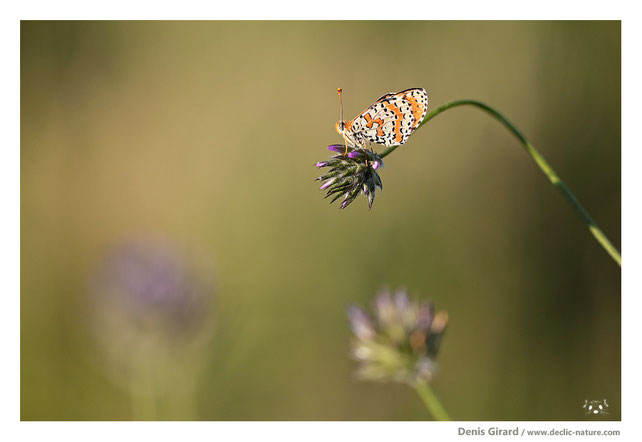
[205, 135]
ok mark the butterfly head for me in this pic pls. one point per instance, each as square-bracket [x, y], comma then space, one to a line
[341, 127]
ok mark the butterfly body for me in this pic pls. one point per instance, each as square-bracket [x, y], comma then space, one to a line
[389, 121]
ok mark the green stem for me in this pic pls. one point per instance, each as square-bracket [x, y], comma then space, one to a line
[541, 163]
[431, 401]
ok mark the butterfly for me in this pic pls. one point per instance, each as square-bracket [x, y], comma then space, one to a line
[390, 120]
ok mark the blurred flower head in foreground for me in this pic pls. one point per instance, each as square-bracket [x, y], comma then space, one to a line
[351, 174]
[400, 341]
[151, 311]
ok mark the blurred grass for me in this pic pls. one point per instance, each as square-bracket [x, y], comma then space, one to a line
[206, 133]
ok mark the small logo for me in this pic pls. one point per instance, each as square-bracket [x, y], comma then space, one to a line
[595, 407]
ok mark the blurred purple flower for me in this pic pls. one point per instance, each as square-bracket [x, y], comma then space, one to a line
[152, 320]
[361, 324]
[400, 341]
[149, 286]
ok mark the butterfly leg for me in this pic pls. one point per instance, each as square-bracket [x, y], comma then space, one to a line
[365, 148]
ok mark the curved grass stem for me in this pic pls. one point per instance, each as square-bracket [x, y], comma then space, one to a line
[431, 401]
[541, 163]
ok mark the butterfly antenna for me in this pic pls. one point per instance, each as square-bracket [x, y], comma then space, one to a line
[339, 90]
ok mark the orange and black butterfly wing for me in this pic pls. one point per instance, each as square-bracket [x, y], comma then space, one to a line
[392, 118]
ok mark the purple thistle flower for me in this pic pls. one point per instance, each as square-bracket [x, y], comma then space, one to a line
[350, 174]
